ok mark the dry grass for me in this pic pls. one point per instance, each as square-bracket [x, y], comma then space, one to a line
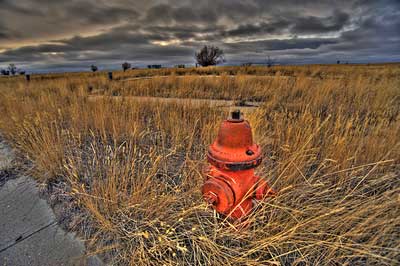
[331, 138]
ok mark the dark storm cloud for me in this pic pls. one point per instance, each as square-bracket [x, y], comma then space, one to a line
[313, 24]
[294, 24]
[3, 33]
[73, 34]
[272, 45]
[100, 47]
[250, 29]
[166, 13]
[94, 14]
[16, 8]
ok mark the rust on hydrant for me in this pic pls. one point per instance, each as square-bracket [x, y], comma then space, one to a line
[230, 184]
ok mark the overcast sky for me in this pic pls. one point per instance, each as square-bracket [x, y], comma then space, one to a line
[68, 35]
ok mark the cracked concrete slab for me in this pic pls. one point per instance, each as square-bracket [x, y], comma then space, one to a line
[29, 233]
[6, 156]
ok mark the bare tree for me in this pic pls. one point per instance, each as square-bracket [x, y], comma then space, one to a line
[126, 66]
[93, 68]
[270, 61]
[210, 56]
[12, 69]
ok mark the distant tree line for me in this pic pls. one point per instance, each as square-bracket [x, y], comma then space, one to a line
[209, 55]
[11, 70]
[125, 67]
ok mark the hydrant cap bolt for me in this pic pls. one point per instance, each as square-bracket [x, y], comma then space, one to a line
[235, 117]
[236, 114]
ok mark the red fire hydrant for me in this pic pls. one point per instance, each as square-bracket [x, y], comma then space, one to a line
[230, 184]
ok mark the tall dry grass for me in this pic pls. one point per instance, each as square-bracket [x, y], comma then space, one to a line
[131, 172]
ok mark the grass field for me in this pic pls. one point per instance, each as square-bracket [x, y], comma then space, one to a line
[127, 174]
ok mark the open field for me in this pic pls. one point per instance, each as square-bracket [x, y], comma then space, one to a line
[126, 174]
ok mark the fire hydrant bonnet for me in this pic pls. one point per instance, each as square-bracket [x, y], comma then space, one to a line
[234, 148]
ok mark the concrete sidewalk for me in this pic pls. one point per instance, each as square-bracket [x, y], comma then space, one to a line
[247, 107]
[29, 233]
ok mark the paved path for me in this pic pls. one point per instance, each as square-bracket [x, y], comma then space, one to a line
[29, 233]
[205, 77]
[224, 104]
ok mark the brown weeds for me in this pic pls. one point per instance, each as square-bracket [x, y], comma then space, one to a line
[330, 137]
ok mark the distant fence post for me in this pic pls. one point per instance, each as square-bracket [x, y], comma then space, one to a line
[28, 77]
[110, 76]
